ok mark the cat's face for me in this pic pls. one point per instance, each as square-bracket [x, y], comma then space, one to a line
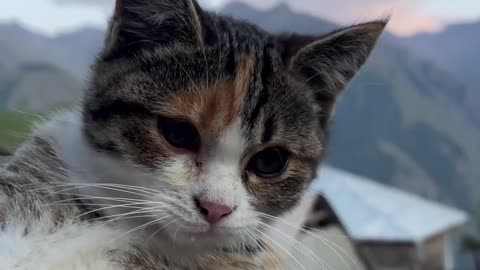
[225, 121]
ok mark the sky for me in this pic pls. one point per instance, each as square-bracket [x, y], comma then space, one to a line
[409, 16]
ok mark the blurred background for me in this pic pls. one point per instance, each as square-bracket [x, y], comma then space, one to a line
[407, 131]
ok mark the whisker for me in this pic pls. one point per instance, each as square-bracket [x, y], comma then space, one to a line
[123, 218]
[175, 234]
[94, 204]
[264, 248]
[142, 226]
[159, 230]
[333, 246]
[139, 211]
[302, 249]
[113, 187]
[87, 197]
[282, 248]
[104, 208]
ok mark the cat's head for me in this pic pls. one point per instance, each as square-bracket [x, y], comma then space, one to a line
[226, 121]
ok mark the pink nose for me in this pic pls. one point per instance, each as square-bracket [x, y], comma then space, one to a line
[213, 212]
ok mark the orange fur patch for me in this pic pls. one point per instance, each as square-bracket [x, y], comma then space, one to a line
[212, 108]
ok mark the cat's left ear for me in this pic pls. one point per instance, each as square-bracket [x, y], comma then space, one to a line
[138, 24]
[326, 64]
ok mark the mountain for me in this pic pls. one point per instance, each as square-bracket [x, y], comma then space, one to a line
[401, 121]
[18, 45]
[39, 88]
[279, 19]
[76, 50]
[32, 63]
[455, 49]
[72, 52]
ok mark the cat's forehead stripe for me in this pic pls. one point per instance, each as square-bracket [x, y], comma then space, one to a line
[216, 106]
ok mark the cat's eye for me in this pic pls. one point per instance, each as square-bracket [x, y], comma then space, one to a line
[269, 163]
[179, 133]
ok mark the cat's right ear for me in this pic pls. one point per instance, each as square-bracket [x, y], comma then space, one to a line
[329, 62]
[140, 24]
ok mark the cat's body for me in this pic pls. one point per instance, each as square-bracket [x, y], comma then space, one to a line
[197, 134]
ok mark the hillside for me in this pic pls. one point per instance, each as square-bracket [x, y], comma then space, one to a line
[456, 50]
[72, 52]
[402, 120]
[38, 88]
[15, 128]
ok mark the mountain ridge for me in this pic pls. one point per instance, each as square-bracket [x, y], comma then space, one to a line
[71, 51]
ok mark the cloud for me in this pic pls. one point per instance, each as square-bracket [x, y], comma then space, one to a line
[109, 3]
[407, 15]
[104, 5]
[85, 2]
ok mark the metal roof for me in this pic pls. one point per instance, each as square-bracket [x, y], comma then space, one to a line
[371, 211]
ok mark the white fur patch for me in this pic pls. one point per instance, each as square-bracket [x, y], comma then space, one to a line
[222, 181]
[73, 247]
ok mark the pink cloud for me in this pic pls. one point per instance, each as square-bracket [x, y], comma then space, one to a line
[406, 17]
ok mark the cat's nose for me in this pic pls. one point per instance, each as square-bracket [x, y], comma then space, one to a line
[213, 212]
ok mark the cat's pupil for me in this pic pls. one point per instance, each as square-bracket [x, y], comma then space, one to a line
[179, 133]
[269, 163]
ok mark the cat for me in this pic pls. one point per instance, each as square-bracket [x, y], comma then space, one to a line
[196, 134]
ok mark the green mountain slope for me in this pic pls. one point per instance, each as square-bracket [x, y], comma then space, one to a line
[15, 127]
[401, 122]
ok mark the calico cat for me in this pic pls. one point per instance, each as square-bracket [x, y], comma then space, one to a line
[196, 133]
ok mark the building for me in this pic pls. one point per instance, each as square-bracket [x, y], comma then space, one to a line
[389, 229]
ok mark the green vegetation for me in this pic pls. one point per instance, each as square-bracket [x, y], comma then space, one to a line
[15, 127]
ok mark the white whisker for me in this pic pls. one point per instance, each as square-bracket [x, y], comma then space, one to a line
[282, 248]
[304, 250]
[333, 246]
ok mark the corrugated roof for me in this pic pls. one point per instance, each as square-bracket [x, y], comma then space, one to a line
[374, 212]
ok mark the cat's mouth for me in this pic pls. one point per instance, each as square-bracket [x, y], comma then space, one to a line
[206, 236]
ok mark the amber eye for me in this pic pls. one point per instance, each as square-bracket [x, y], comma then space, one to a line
[179, 133]
[269, 163]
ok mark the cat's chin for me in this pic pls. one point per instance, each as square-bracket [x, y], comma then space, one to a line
[200, 240]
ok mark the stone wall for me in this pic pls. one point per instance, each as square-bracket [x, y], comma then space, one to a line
[429, 255]
[391, 256]
[434, 252]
